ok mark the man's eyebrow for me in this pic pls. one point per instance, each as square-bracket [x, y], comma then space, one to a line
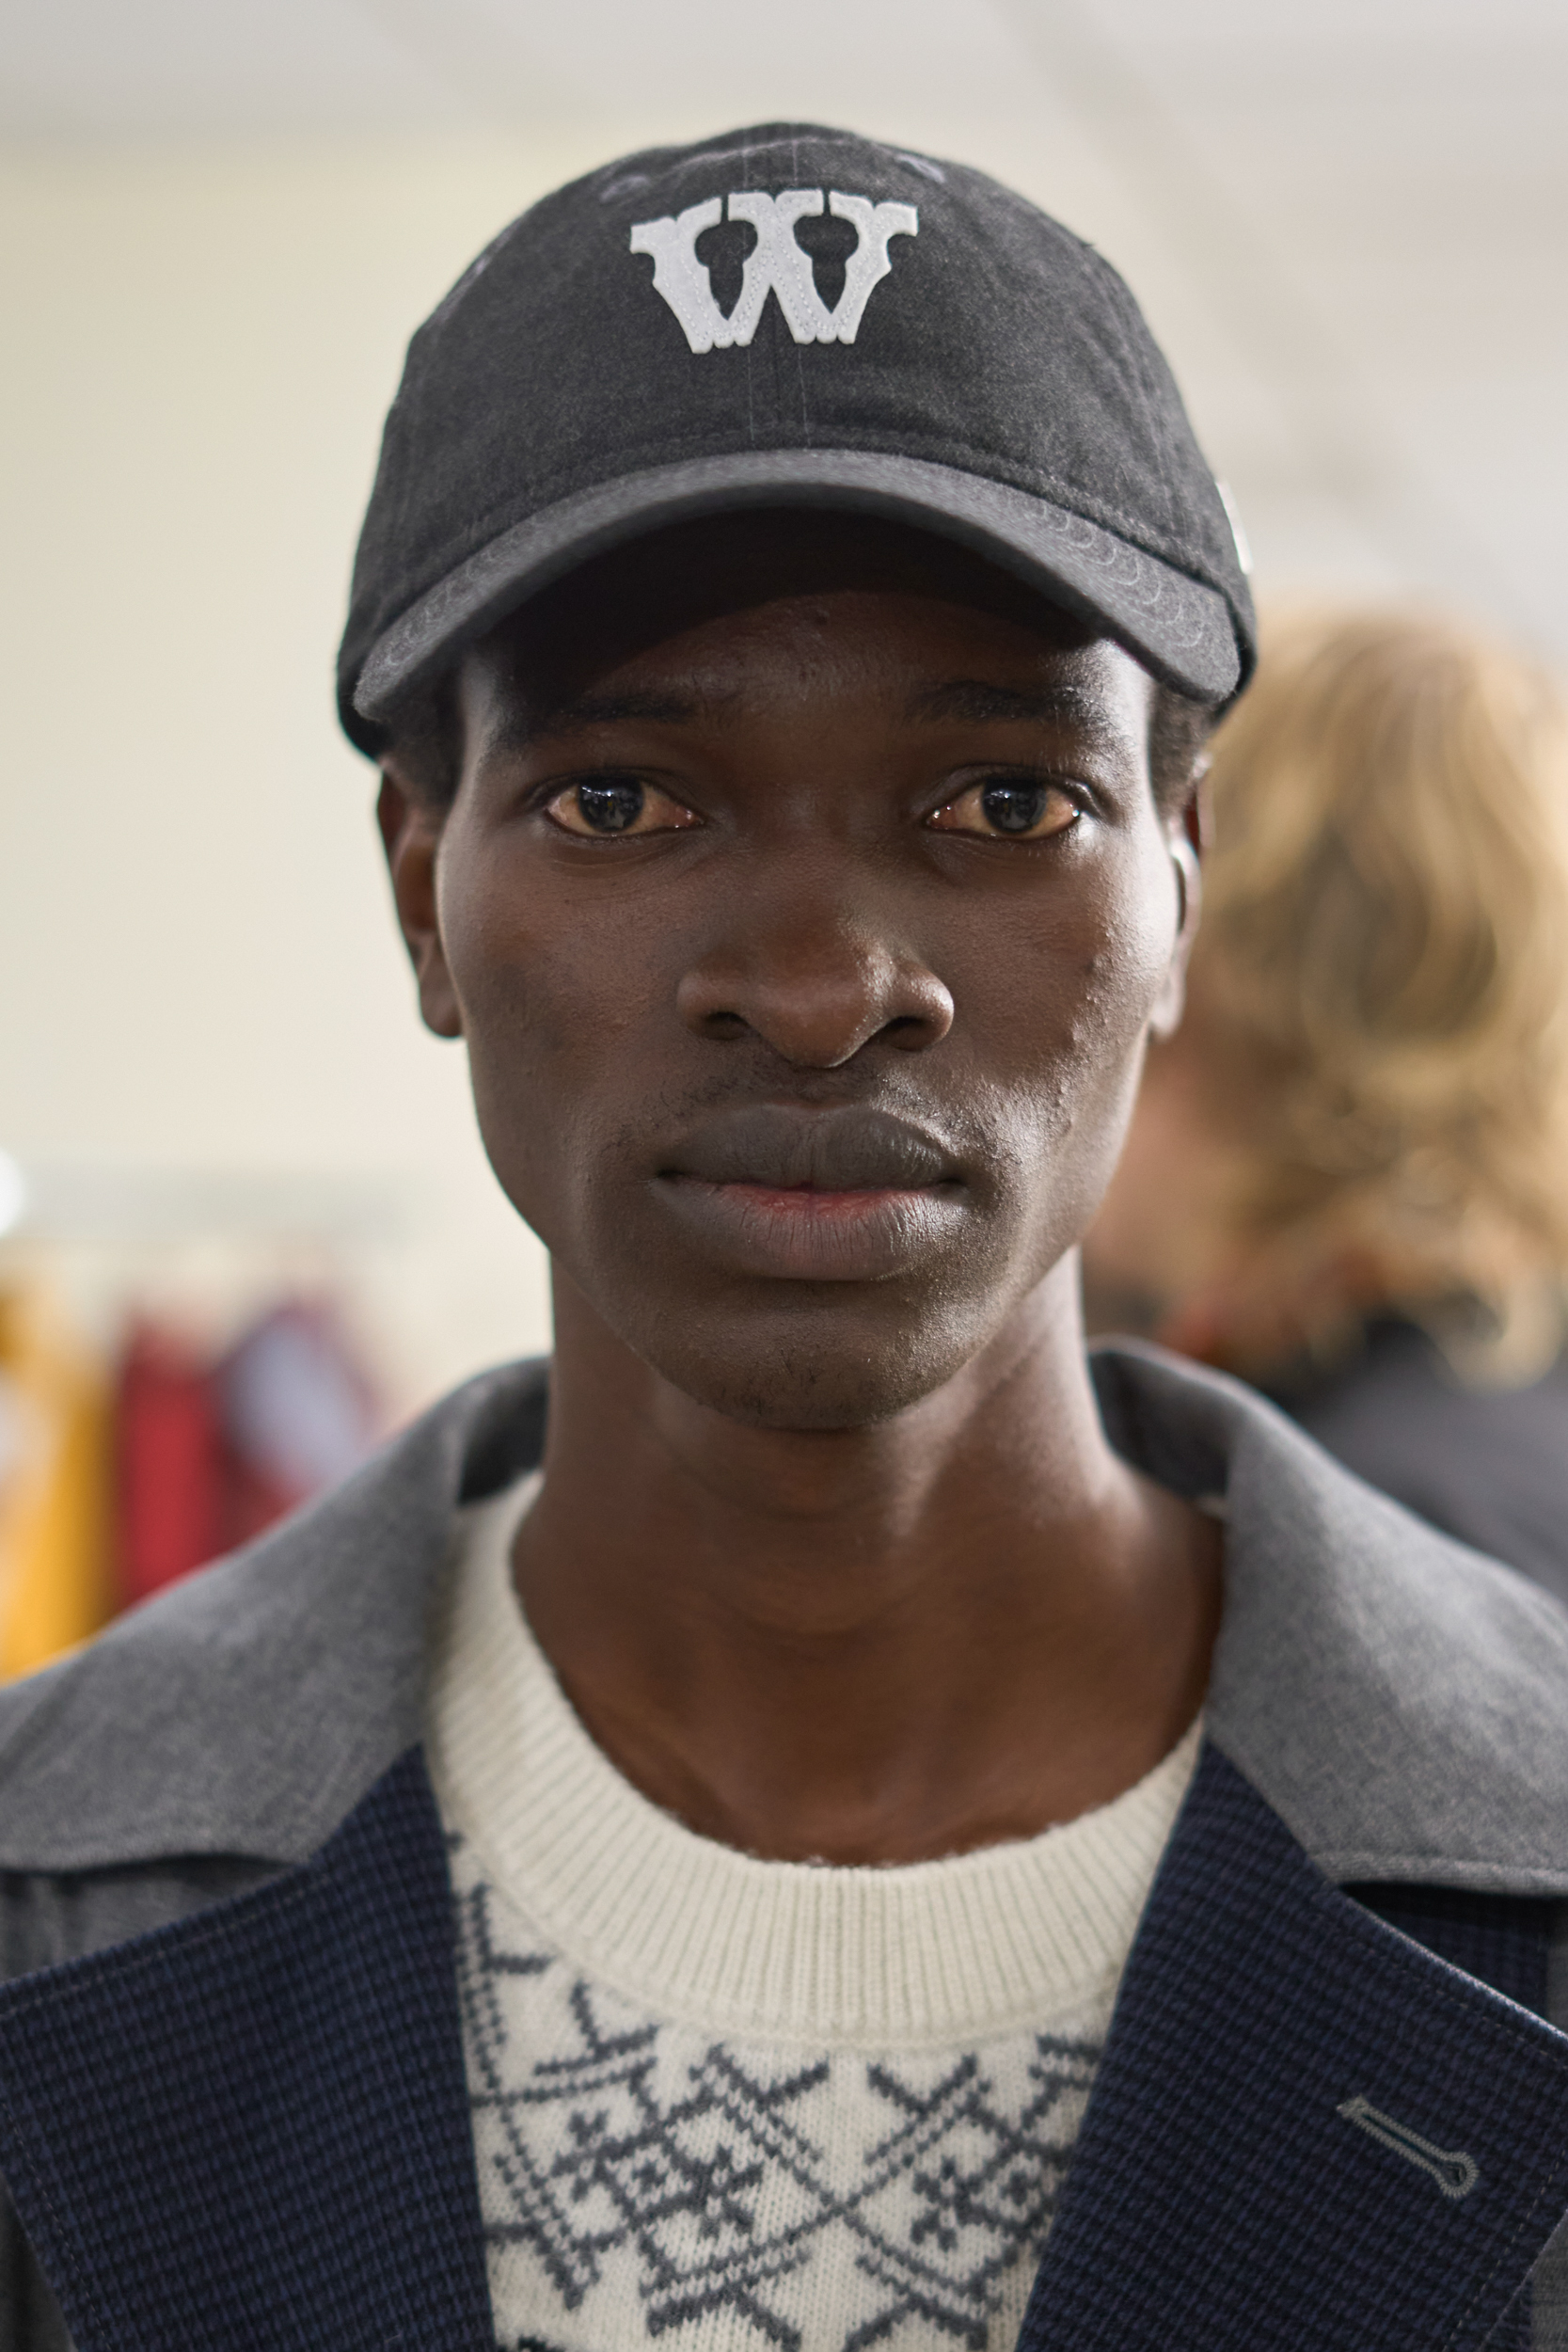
[525, 727]
[981, 700]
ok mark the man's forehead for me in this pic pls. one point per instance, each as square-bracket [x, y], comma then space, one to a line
[1065, 701]
[696, 602]
[727, 563]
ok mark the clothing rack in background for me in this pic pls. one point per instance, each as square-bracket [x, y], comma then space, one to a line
[180, 1364]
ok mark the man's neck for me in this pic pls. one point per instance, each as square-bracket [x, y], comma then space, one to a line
[875, 1644]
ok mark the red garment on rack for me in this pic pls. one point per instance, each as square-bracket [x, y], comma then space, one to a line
[169, 1463]
[209, 1455]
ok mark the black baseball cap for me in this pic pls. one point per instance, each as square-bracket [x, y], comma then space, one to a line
[788, 316]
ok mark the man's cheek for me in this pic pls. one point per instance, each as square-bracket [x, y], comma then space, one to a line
[552, 1110]
[1121, 978]
[520, 1010]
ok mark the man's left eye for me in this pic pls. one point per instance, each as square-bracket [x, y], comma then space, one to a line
[607, 806]
[1009, 808]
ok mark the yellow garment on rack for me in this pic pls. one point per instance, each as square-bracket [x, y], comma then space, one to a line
[55, 1479]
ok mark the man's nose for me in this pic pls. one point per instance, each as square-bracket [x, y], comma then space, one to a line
[814, 984]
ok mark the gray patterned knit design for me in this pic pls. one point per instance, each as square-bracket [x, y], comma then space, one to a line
[642, 2180]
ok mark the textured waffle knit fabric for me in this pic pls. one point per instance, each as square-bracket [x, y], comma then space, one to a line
[724, 2102]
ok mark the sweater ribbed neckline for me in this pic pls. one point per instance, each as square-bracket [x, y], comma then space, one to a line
[895, 1956]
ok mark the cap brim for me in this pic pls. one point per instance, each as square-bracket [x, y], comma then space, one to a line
[1179, 628]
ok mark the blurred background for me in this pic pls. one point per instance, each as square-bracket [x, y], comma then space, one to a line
[249, 1224]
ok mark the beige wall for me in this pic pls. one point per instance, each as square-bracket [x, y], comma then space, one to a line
[198, 969]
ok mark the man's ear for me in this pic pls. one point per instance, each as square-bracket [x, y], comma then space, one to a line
[411, 836]
[1186, 838]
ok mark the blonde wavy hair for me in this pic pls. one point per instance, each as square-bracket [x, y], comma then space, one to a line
[1383, 971]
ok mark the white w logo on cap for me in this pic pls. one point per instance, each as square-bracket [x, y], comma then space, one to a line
[775, 264]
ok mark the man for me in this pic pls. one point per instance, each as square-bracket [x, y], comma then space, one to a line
[890, 1839]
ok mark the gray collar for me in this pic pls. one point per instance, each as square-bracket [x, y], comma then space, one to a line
[1403, 1705]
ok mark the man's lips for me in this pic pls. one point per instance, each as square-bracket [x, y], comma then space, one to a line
[844, 1148]
[839, 1194]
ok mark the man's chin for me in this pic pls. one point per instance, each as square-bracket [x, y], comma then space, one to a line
[809, 1381]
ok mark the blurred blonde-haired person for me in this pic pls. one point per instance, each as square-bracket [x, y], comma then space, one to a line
[1347, 1176]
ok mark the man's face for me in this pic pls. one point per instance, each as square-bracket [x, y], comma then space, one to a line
[805, 907]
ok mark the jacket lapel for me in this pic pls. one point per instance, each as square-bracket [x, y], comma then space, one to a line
[1307, 2132]
[250, 2129]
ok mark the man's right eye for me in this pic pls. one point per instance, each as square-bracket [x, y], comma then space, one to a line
[603, 807]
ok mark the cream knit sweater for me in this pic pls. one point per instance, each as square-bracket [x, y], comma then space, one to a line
[725, 2102]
